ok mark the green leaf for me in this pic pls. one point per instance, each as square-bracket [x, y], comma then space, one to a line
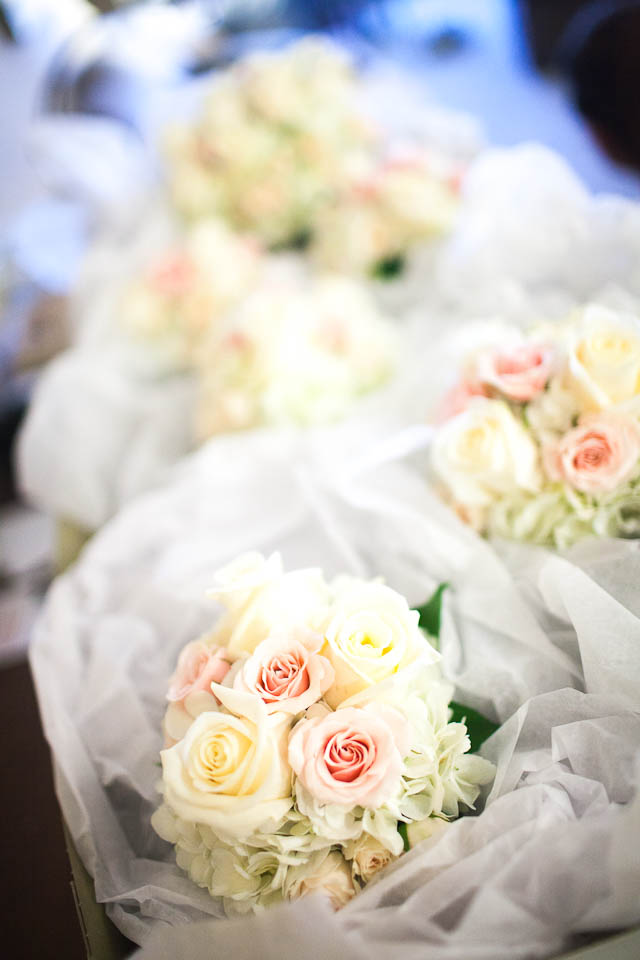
[478, 727]
[431, 612]
[389, 267]
[404, 833]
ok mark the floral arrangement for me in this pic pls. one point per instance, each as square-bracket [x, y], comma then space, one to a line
[308, 739]
[283, 149]
[186, 289]
[540, 438]
[277, 133]
[295, 351]
[408, 197]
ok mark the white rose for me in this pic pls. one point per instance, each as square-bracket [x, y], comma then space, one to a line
[370, 635]
[326, 873]
[604, 358]
[230, 771]
[368, 856]
[259, 597]
[484, 453]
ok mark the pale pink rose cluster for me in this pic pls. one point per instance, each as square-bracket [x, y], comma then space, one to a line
[290, 720]
[540, 437]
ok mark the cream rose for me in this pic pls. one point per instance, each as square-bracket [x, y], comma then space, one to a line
[370, 635]
[259, 597]
[604, 358]
[352, 757]
[518, 372]
[597, 455]
[368, 856]
[483, 454]
[326, 873]
[230, 770]
[287, 672]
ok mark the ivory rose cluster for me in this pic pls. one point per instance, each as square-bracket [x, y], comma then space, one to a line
[540, 438]
[301, 731]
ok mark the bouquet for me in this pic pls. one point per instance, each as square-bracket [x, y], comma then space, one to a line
[405, 198]
[284, 149]
[539, 440]
[308, 739]
[185, 289]
[294, 352]
[277, 133]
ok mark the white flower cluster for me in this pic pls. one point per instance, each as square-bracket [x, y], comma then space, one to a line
[384, 210]
[284, 151]
[299, 352]
[277, 133]
[185, 291]
[541, 436]
[301, 733]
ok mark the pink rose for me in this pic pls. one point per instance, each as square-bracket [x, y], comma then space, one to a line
[198, 667]
[173, 275]
[352, 756]
[518, 372]
[457, 399]
[597, 455]
[287, 672]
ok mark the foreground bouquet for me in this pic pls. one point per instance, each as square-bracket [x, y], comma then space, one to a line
[540, 438]
[308, 739]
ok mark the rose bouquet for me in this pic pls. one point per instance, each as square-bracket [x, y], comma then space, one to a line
[277, 133]
[299, 352]
[308, 739]
[540, 438]
[285, 149]
[384, 209]
[180, 294]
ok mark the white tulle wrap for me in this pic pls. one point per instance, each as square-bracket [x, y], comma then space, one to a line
[546, 644]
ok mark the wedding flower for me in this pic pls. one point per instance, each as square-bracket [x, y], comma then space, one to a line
[189, 694]
[187, 288]
[327, 873]
[484, 453]
[198, 667]
[604, 358]
[368, 856]
[230, 770]
[370, 635]
[300, 353]
[383, 208]
[271, 143]
[260, 596]
[286, 672]
[597, 455]
[352, 757]
[519, 372]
